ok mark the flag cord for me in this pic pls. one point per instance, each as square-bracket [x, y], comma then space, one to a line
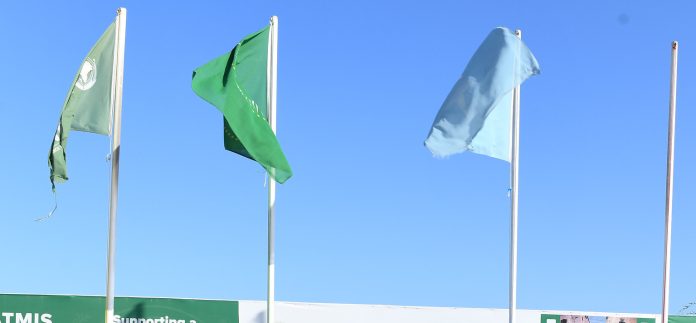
[55, 207]
[107, 159]
[111, 149]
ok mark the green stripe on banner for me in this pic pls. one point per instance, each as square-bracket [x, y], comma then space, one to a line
[682, 319]
[90, 309]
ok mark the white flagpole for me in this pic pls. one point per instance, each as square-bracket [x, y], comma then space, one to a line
[670, 184]
[117, 87]
[514, 177]
[272, 73]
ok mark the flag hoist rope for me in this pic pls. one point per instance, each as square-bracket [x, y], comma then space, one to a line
[271, 74]
[514, 176]
[670, 184]
[117, 91]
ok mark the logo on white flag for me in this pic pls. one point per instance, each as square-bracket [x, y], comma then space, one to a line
[87, 76]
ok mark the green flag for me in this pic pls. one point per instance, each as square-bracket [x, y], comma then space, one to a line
[88, 105]
[235, 83]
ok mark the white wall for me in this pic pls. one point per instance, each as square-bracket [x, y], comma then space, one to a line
[289, 312]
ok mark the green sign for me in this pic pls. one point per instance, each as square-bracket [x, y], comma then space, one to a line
[90, 309]
[550, 318]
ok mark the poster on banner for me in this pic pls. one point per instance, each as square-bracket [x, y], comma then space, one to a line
[574, 318]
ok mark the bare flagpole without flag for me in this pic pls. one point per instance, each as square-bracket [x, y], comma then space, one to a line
[670, 183]
[117, 86]
[272, 73]
[514, 177]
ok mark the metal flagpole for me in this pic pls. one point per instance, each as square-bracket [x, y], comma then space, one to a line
[272, 73]
[117, 87]
[514, 177]
[670, 184]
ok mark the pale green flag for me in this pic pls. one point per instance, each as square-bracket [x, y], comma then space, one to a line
[88, 105]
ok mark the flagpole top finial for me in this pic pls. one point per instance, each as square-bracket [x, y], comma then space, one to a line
[518, 33]
[675, 44]
[121, 10]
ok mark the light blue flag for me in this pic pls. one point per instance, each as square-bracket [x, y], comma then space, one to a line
[476, 114]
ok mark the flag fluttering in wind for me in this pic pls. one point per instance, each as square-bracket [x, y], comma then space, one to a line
[236, 84]
[88, 104]
[94, 105]
[476, 116]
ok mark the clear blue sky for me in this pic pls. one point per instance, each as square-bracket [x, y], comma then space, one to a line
[370, 216]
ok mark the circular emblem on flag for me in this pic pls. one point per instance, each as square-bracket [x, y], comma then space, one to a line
[87, 76]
